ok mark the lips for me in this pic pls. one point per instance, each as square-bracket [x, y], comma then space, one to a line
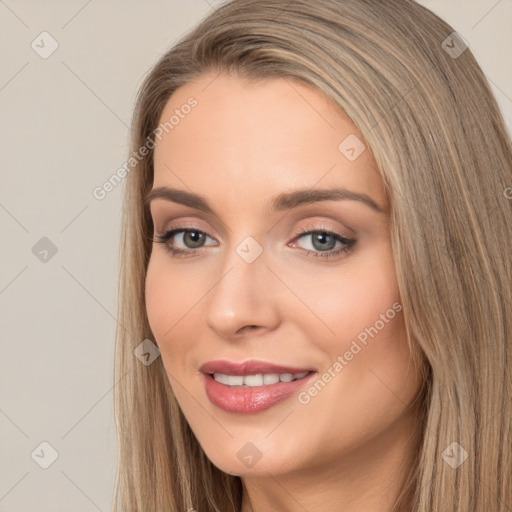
[236, 386]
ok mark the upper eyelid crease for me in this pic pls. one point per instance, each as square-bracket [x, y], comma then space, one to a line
[284, 201]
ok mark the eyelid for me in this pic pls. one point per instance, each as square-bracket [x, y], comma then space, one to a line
[173, 231]
[329, 232]
[164, 214]
[315, 226]
[310, 226]
[184, 225]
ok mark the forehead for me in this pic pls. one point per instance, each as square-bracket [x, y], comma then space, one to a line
[260, 135]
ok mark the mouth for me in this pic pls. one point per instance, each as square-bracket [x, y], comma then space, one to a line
[252, 386]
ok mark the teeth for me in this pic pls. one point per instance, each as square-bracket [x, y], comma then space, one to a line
[252, 380]
[257, 380]
[271, 378]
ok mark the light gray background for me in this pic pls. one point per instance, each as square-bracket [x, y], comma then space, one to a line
[64, 131]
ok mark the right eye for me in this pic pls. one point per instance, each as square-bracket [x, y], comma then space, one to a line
[183, 241]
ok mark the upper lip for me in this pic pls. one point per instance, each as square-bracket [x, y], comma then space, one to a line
[251, 367]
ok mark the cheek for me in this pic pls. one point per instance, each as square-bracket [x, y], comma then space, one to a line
[170, 297]
[333, 311]
[361, 301]
[363, 335]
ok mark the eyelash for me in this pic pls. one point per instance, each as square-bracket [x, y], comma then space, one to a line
[164, 238]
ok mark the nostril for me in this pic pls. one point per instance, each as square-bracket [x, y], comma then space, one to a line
[248, 327]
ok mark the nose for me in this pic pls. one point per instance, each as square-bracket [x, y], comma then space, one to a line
[245, 299]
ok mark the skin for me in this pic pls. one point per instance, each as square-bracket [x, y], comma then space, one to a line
[244, 143]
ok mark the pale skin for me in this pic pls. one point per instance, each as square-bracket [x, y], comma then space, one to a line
[240, 147]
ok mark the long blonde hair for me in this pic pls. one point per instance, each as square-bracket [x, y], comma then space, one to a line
[437, 135]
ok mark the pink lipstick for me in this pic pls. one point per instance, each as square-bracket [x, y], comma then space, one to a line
[251, 386]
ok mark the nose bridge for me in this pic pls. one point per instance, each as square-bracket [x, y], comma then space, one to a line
[242, 295]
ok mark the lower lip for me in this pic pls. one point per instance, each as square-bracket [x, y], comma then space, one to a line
[248, 399]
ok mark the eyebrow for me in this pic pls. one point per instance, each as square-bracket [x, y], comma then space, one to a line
[284, 201]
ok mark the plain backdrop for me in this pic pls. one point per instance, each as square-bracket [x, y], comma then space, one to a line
[64, 131]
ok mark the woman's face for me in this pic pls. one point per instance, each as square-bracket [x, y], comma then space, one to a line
[283, 265]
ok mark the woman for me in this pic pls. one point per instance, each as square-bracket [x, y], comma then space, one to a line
[317, 238]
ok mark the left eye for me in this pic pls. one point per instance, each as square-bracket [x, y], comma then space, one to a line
[322, 241]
